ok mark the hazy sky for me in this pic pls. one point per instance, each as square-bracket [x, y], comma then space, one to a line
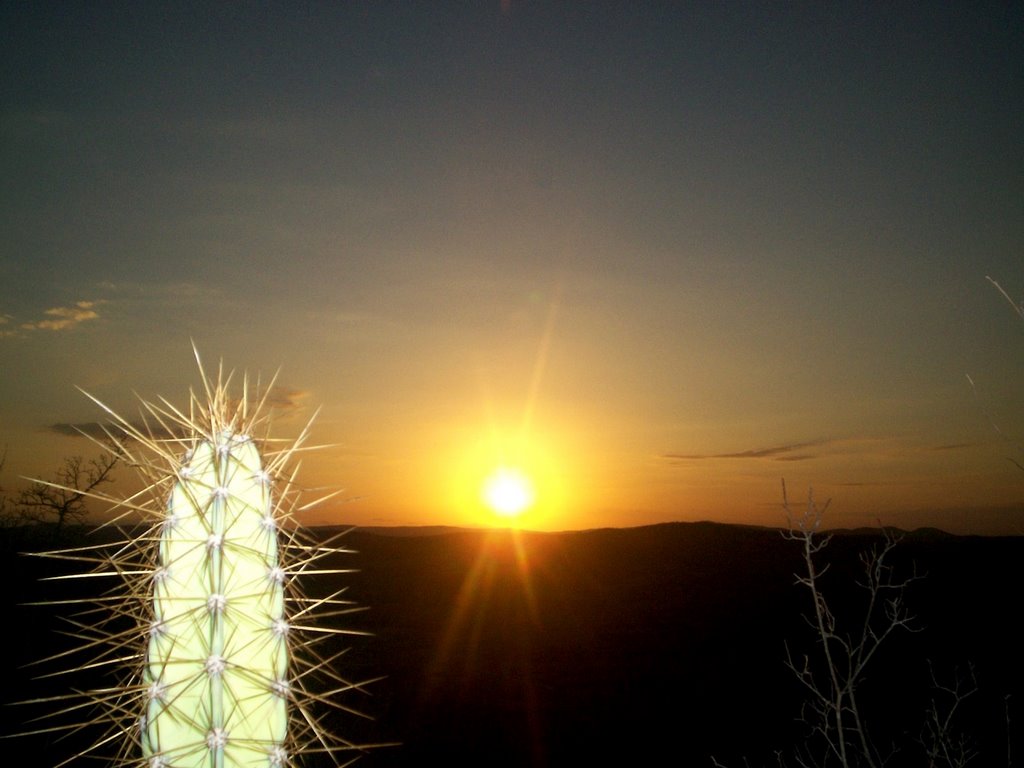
[661, 254]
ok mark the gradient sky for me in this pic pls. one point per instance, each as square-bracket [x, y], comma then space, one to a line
[663, 254]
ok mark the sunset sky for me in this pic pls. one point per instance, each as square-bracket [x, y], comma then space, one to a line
[658, 255]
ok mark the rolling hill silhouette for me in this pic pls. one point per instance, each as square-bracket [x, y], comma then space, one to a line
[614, 646]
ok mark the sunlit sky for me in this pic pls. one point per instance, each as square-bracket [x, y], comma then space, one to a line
[658, 256]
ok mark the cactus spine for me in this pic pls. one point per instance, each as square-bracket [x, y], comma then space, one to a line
[225, 649]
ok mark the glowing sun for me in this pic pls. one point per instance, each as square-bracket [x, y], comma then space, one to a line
[508, 492]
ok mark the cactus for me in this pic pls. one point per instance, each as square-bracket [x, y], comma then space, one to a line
[221, 647]
[216, 668]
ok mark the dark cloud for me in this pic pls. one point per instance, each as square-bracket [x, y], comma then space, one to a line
[96, 431]
[85, 429]
[285, 398]
[776, 453]
[869, 484]
[280, 398]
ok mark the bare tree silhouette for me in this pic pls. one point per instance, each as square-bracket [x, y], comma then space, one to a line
[63, 501]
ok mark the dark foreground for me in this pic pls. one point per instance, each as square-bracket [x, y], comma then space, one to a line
[617, 646]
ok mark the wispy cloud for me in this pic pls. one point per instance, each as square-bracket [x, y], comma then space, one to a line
[62, 318]
[4, 332]
[870, 483]
[56, 318]
[790, 452]
[890, 448]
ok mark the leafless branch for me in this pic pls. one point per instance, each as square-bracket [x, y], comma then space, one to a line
[839, 732]
[943, 745]
[63, 501]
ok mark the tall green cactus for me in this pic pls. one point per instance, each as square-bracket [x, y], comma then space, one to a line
[224, 649]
